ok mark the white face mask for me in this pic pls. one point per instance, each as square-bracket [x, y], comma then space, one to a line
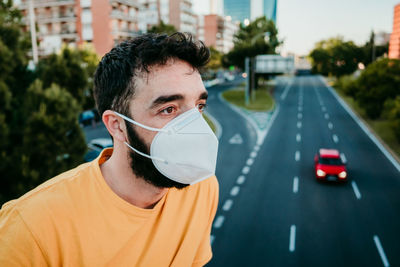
[184, 150]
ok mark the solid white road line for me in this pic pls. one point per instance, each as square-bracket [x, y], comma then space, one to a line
[297, 156]
[343, 157]
[235, 190]
[227, 205]
[335, 138]
[241, 179]
[245, 169]
[326, 116]
[299, 116]
[219, 221]
[295, 184]
[253, 154]
[212, 238]
[250, 161]
[292, 240]
[299, 124]
[285, 92]
[355, 189]
[381, 251]
[298, 137]
[330, 125]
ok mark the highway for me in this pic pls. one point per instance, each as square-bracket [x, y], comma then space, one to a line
[273, 212]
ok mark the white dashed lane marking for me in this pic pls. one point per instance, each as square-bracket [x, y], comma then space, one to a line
[219, 221]
[241, 179]
[212, 238]
[253, 154]
[355, 189]
[299, 124]
[245, 169]
[227, 205]
[250, 161]
[343, 157]
[295, 184]
[335, 138]
[297, 156]
[235, 190]
[326, 116]
[298, 137]
[299, 116]
[292, 239]
[330, 125]
[381, 251]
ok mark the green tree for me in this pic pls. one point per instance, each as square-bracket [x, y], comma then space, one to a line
[379, 82]
[335, 57]
[257, 38]
[371, 51]
[215, 62]
[65, 69]
[37, 126]
[163, 28]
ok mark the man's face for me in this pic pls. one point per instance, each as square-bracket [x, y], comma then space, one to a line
[165, 93]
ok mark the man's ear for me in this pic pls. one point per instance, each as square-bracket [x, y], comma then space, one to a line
[115, 125]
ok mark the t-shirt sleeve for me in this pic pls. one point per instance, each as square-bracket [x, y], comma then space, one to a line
[18, 245]
[204, 253]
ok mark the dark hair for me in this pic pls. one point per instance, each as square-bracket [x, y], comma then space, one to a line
[114, 80]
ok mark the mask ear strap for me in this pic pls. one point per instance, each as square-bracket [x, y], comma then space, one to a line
[145, 155]
[139, 124]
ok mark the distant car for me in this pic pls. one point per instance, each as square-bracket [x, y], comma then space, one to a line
[95, 146]
[87, 117]
[329, 166]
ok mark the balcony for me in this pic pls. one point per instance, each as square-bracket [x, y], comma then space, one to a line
[132, 3]
[46, 3]
[117, 14]
[53, 18]
[125, 33]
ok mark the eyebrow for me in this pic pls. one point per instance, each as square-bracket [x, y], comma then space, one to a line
[169, 98]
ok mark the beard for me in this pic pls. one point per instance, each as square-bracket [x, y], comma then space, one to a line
[143, 167]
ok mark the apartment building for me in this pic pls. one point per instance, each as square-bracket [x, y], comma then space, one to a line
[74, 22]
[217, 31]
[176, 12]
[394, 44]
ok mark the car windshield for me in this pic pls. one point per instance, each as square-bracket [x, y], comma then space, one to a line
[330, 161]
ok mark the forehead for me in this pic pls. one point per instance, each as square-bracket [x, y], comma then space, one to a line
[176, 77]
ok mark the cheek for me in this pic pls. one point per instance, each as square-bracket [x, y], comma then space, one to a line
[146, 135]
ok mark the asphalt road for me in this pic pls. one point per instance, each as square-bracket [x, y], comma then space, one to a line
[274, 213]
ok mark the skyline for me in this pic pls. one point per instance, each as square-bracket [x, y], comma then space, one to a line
[301, 29]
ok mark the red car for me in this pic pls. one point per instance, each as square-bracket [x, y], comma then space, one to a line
[329, 165]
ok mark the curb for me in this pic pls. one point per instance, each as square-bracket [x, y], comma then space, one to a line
[383, 147]
[218, 127]
[246, 114]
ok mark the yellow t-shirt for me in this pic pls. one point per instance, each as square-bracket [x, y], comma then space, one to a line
[75, 219]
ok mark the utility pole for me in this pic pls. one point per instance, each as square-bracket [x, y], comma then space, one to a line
[33, 32]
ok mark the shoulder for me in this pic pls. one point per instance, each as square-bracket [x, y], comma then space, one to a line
[54, 193]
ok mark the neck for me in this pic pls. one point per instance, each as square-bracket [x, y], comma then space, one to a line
[135, 190]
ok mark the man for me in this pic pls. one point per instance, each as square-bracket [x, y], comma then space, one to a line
[149, 201]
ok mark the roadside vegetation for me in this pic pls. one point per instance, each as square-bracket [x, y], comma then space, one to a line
[367, 80]
[210, 123]
[375, 97]
[260, 100]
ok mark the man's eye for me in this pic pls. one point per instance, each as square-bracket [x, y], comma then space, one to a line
[167, 110]
[201, 107]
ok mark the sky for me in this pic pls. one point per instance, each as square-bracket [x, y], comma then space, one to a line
[302, 23]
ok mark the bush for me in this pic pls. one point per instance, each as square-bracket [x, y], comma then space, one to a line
[379, 82]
